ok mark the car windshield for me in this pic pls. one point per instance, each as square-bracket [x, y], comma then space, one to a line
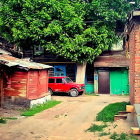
[68, 80]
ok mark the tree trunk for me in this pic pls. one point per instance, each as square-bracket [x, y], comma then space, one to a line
[80, 75]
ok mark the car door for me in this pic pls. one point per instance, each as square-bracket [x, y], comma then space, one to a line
[52, 84]
[60, 85]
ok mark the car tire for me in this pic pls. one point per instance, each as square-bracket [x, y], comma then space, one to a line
[73, 92]
[50, 91]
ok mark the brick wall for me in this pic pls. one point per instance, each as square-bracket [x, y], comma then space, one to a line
[134, 48]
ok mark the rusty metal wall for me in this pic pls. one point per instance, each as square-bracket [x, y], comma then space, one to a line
[16, 84]
[32, 84]
[37, 84]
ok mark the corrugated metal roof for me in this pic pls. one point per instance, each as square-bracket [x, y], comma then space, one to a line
[22, 63]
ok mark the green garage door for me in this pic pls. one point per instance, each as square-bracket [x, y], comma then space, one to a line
[89, 88]
[119, 81]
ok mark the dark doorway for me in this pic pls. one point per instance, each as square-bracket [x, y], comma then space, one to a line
[104, 82]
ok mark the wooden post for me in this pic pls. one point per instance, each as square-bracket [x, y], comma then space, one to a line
[96, 81]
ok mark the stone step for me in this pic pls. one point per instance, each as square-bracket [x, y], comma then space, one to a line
[135, 130]
[118, 117]
[123, 112]
[129, 108]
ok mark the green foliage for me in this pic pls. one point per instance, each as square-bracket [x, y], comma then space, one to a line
[96, 127]
[122, 136]
[107, 114]
[75, 29]
[40, 107]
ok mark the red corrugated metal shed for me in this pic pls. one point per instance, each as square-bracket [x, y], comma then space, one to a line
[24, 78]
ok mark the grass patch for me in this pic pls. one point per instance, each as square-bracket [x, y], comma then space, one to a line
[3, 120]
[122, 136]
[104, 134]
[107, 114]
[11, 118]
[96, 127]
[40, 107]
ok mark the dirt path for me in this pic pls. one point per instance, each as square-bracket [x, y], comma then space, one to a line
[66, 121]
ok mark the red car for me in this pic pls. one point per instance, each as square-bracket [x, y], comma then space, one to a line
[65, 84]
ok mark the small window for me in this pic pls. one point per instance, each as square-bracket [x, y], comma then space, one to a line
[51, 80]
[59, 81]
[38, 50]
[117, 46]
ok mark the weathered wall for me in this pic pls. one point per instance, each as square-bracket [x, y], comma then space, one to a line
[134, 48]
[80, 75]
[37, 85]
[30, 85]
[16, 84]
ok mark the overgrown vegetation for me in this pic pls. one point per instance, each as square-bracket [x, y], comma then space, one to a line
[122, 136]
[107, 114]
[96, 127]
[114, 136]
[40, 107]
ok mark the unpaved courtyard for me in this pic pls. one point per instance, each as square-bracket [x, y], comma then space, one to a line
[66, 121]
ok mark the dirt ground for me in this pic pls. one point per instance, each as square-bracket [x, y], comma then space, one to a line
[66, 121]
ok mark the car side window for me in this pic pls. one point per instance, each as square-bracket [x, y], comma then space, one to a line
[51, 80]
[59, 81]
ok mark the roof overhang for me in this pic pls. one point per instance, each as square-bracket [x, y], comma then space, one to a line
[11, 61]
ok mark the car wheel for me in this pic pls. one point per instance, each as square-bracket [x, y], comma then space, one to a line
[50, 91]
[73, 92]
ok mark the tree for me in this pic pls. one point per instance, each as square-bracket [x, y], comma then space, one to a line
[75, 29]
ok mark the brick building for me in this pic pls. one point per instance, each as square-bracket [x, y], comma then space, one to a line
[111, 70]
[132, 33]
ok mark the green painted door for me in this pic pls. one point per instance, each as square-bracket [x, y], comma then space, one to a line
[125, 82]
[115, 82]
[119, 81]
[89, 88]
